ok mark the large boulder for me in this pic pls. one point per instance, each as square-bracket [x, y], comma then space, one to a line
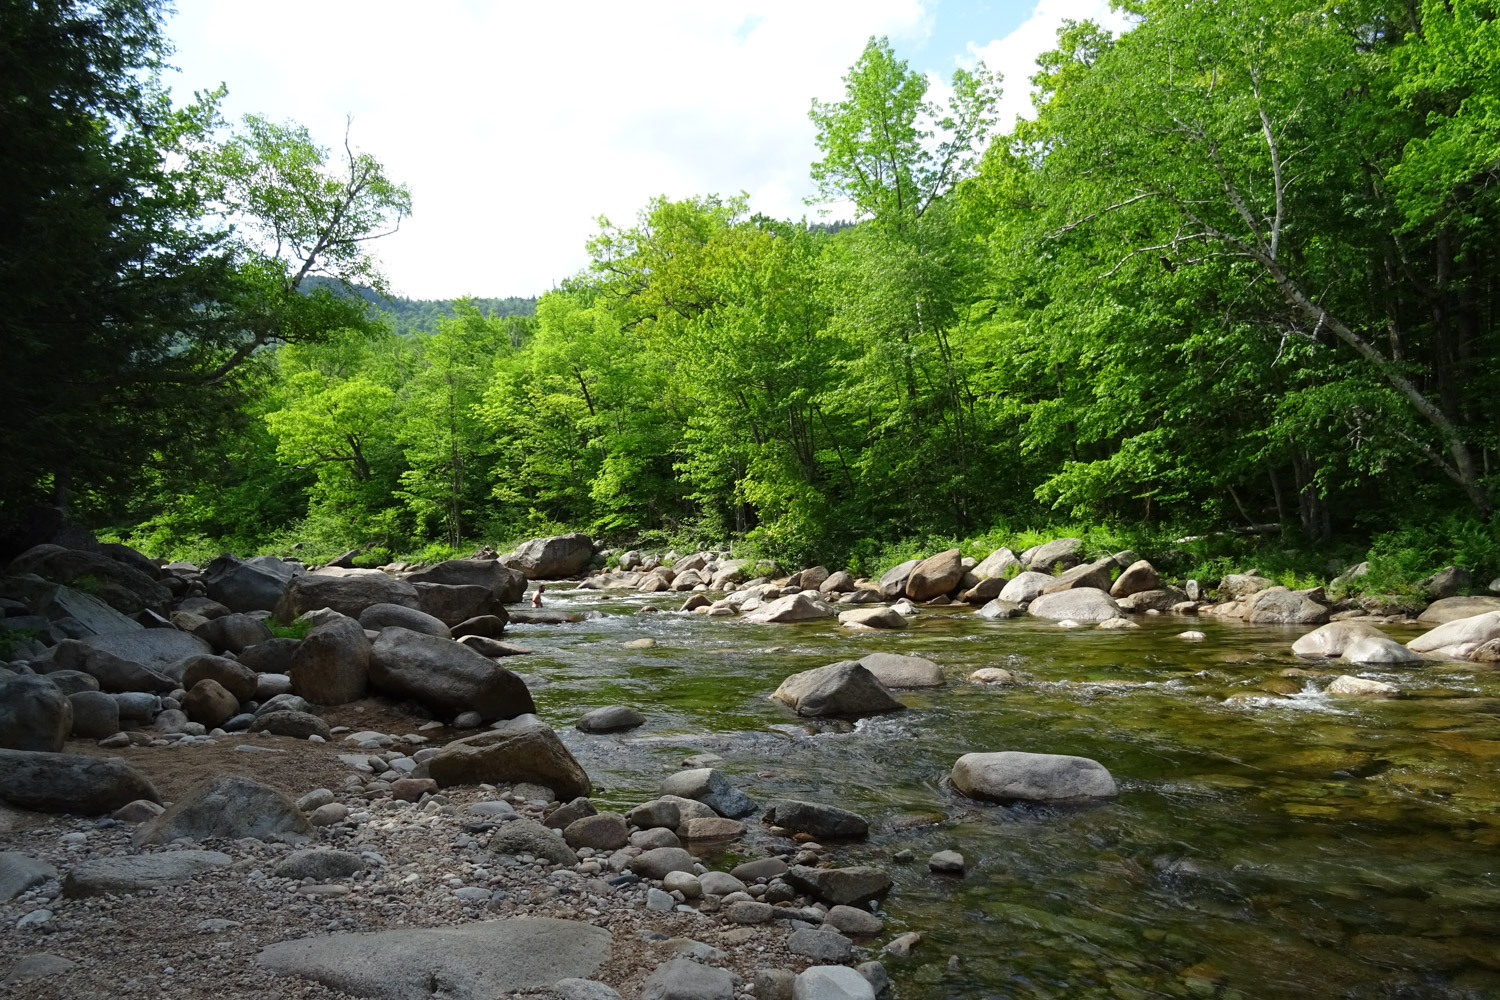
[34, 714]
[274, 656]
[1000, 563]
[349, 593]
[839, 886]
[248, 585]
[893, 580]
[1013, 776]
[1447, 582]
[1083, 604]
[70, 783]
[514, 754]
[1236, 586]
[1453, 608]
[820, 821]
[95, 714]
[452, 604]
[331, 665]
[232, 633]
[156, 649]
[1158, 599]
[1331, 639]
[1094, 575]
[89, 614]
[799, 607]
[1056, 555]
[551, 558]
[228, 807]
[473, 961]
[1459, 638]
[124, 588]
[381, 616]
[837, 583]
[209, 703]
[236, 678]
[844, 689]
[508, 585]
[1024, 587]
[1137, 577]
[935, 575]
[1378, 650]
[445, 675]
[709, 786]
[897, 671]
[1280, 606]
[877, 618]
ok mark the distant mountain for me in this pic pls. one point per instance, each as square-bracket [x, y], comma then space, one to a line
[421, 315]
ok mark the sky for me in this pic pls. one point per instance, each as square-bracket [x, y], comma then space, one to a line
[517, 125]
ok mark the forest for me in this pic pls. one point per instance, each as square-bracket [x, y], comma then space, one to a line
[1235, 279]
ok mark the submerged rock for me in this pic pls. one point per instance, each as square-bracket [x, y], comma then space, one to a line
[1347, 686]
[1015, 776]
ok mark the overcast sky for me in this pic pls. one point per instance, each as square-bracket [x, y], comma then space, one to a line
[516, 125]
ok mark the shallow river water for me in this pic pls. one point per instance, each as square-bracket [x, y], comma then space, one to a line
[1288, 846]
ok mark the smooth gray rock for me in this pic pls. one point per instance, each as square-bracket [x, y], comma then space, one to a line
[839, 689]
[331, 665]
[133, 873]
[298, 725]
[92, 615]
[610, 719]
[236, 678]
[685, 979]
[935, 576]
[839, 886]
[71, 682]
[1023, 587]
[228, 807]
[831, 982]
[604, 831]
[19, 872]
[505, 583]
[1453, 608]
[274, 656]
[657, 863]
[999, 610]
[454, 604]
[320, 865]
[253, 585]
[1280, 606]
[822, 822]
[853, 920]
[381, 616]
[893, 581]
[156, 649]
[472, 961]
[347, 592]
[551, 558]
[70, 783]
[232, 633]
[759, 868]
[1014, 776]
[583, 989]
[445, 675]
[527, 836]
[709, 786]
[1081, 604]
[95, 714]
[821, 946]
[750, 911]
[898, 671]
[39, 966]
[34, 714]
[520, 752]
[284, 703]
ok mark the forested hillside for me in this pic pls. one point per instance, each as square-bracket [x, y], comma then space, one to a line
[1239, 274]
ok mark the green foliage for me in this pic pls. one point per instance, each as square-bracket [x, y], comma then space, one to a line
[293, 630]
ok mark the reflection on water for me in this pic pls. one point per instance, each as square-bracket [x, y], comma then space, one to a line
[1268, 841]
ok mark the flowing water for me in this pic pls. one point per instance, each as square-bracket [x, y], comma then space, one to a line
[1278, 844]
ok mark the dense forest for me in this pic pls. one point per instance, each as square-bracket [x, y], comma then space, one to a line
[1237, 276]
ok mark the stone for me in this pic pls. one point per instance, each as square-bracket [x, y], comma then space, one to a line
[1024, 588]
[248, 585]
[1280, 606]
[583, 989]
[946, 863]
[893, 581]
[210, 704]
[1237, 586]
[139, 811]
[1453, 608]
[1145, 602]
[1001, 609]
[232, 633]
[992, 675]
[453, 604]
[685, 979]
[1094, 575]
[604, 831]
[798, 607]
[1346, 686]
[720, 883]
[1059, 554]
[821, 946]
[878, 617]
[1446, 583]
[1117, 624]
[837, 583]
[831, 982]
[1379, 649]
[486, 646]
[853, 920]
[823, 822]
[298, 725]
[1000, 563]
[412, 789]
[774, 984]
[658, 862]
[559, 818]
[710, 828]
[709, 786]
[445, 675]
[654, 837]
[1081, 604]
[71, 682]
[610, 719]
[482, 626]
[471, 961]
[348, 592]
[19, 872]
[1014, 776]
[42, 965]
[984, 591]
[269, 686]
[844, 689]
[331, 666]
[527, 836]
[110, 876]
[155, 650]
[234, 677]
[898, 671]
[551, 558]
[126, 589]
[320, 865]
[96, 715]
[902, 944]
[34, 714]
[274, 656]
[70, 783]
[1458, 638]
[506, 584]
[749, 911]
[1331, 639]
[935, 576]
[839, 886]
[1138, 576]
[381, 616]
[527, 752]
[228, 807]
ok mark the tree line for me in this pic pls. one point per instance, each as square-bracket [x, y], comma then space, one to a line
[1238, 273]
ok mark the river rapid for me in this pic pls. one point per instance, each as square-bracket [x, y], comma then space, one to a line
[1268, 841]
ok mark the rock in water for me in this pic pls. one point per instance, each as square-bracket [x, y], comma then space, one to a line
[228, 807]
[519, 753]
[1000, 609]
[1280, 606]
[71, 783]
[349, 593]
[896, 671]
[1081, 604]
[893, 582]
[935, 576]
[331, 666]
[1137, 577]
[1460, 637]
[1331, 639]
[709, 786]
[473, 961]
[551, 558]
[1024, 588]
[1453, 608]
[34, 714]
[445, 675]
[840, 689]
[610, 719]
[505, 583]
[799, 607]
[1375, 649]
[1360, 687]
[382, 616]
[839, 886]
[831, 982]
[823, 822]
[872, 618]
[1014, 776]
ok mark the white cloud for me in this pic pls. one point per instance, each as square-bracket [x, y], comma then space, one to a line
[516, 125]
